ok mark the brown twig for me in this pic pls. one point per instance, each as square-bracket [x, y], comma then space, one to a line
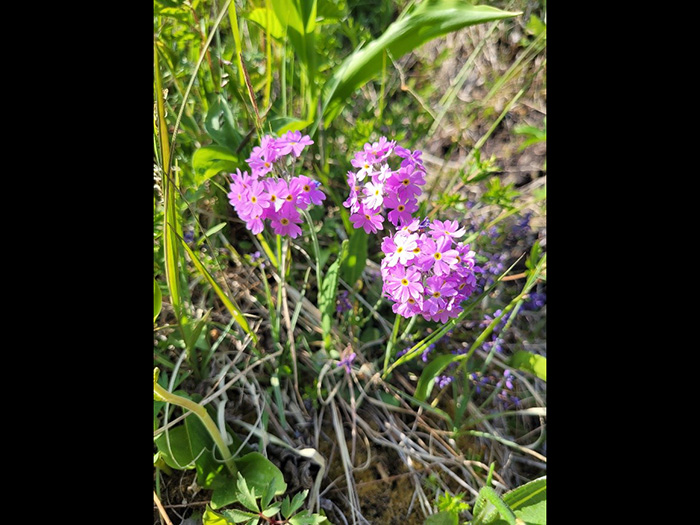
[161, 510]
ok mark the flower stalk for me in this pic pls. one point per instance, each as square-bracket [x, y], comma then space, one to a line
[161, 394]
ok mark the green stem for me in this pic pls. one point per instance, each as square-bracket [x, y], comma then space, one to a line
[392, 342]
[163, 395]
[317, 252]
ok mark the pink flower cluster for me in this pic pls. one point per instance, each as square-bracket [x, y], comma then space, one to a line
[427, 271]
[270, 192]
[376, 186]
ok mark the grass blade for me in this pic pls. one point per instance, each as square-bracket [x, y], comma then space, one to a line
[429, 20]
[228, 303]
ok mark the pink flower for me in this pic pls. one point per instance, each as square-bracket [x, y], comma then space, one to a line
[402, 283]
[277, 190]
[255, 201]
[447, 228]
[306, 190]
[368, 219]
[399, 249]
[292, 142]
[374, 193]
[286, 222]
[438, 255]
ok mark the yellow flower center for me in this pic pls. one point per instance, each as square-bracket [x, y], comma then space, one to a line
[404, 282]
[253, 199]
[284, 221]
[273, 198]
[436, 294]
[401, 207]
[306, 187]
[399, 249]
[289, 198]
[437, 256]
[405, 182]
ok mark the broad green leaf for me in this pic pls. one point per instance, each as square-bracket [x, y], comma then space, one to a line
[260, 17]
[529, 362]
[429, 20]
[528, 502]
[259, 472]
[220, 124]
[210, 472]
[179, 455]
[157, 300]
[210, 160]
[212, 518]
[329, 290]
[442, 518]
[427, 378]
[355, 262]
[230, 306]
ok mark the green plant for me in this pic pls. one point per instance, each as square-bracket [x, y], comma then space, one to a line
[265, 510]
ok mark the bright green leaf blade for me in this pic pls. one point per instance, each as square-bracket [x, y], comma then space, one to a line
[230, 306]
[431, 19]
[212, 518]
[329, 290]
[260, 17]
[297, 502]
[442, 518]
[210, 160]
[281, 125]
[157, 300]
[529, 362]
[529, 502]
[427, 378]
[355, 262]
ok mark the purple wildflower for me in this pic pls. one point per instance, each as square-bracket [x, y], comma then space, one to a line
[369, 220]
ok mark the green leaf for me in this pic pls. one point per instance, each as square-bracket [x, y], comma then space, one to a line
[268, 495]
[260, 472]
[529, 502]
[239, 516]
[529, 362]
[228, 303]
[179, 455]
[305, 518]
[355, 262]
[271, 511]
[535, 26]
[329, 290]
[442, 518]
[210, 160]
[281, 125]
[212, 518]
[220, 124]
[427, 378]
[246, 496]
[157, 300]
[429, 20]
[260, 15]
[297, 501]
